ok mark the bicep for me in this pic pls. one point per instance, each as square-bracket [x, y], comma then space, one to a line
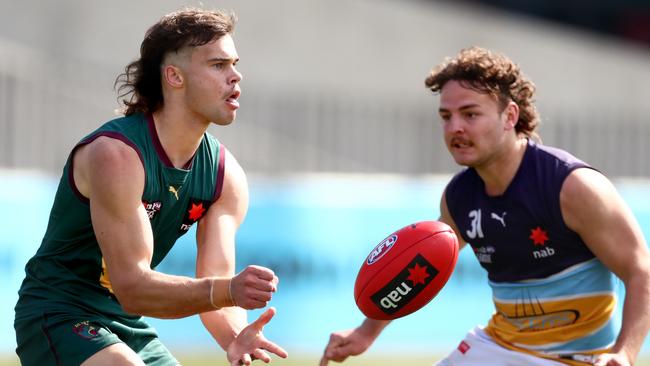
[592, 208]
[216, 231]
[114, 181]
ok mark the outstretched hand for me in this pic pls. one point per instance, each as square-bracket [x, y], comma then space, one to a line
[343, 344]
[251, 344]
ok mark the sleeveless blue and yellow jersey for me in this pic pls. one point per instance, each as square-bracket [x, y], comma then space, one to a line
[552, 295]
[68, 270]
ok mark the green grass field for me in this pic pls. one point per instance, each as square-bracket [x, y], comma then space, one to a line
[219, 360]
[370, 360]
[307, 361]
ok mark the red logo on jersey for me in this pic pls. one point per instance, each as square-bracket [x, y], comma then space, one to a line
[463, 347]
[538, 236]
[195, 210]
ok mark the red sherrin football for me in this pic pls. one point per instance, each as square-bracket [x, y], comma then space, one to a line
[406, 270]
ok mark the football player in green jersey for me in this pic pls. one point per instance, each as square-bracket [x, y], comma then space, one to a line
[129, 190]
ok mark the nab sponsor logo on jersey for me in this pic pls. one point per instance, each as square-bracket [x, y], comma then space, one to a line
[196, 209]
[540, 238]
[484, 254]
[405, 286]
[381, 249]
[152, 208]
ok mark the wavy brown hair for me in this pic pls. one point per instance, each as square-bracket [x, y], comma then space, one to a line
[139, 87]
[493, 73]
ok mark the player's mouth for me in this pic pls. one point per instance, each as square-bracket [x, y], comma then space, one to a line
[232, 101]
[460, 143]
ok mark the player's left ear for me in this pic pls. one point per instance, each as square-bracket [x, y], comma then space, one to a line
[511, 115]
[172, 75]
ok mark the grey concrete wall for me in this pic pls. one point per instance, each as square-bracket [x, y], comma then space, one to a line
[332, 85]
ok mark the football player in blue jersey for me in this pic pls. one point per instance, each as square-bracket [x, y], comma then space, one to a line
[551, 231]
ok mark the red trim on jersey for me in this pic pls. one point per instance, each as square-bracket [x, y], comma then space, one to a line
[220, 173]
[162, 154]
[156, 142]
[111, 134]
[50, 344]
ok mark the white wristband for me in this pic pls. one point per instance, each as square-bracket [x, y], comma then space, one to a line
[212, 294]
[230, 293]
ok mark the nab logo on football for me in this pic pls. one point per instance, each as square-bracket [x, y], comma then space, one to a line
[381, 249]
[405, 286]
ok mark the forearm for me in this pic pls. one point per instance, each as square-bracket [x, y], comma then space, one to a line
[161, 295]
[373, 327]
[636, 315]
[225, 324]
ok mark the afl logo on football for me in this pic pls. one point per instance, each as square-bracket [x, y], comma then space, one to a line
[381, 249]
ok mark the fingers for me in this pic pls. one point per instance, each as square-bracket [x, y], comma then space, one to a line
[263, 319]
[259, 354]
[243, 360]
[335, 342]
[336, 350]
[253, 287]
[246, 360]
[275, 349]
[323, 361]
[265, 344]
[263, 273]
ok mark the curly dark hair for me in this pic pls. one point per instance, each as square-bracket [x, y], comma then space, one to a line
[493, 73]
[140, 84]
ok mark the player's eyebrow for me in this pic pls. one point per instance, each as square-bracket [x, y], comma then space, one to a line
[223, 59]
[462, 108]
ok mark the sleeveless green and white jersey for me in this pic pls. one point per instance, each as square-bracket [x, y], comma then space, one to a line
[68, 269]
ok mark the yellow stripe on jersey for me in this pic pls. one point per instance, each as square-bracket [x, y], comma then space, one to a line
[104, 280]
[555, 321]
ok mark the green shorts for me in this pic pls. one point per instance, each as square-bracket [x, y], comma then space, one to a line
[65, 339]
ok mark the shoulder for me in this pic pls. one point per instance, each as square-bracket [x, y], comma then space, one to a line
[115, 136]
[104, 161]
[549, 167]
[233, 190]
[584, 182]
[109, 151]
[233, 199]
[554, 156]
[234, 175]
[586, 194]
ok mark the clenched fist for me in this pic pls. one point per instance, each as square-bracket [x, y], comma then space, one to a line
[253, 287]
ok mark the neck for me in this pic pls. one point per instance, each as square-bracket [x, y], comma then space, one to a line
[180, 134]
[500, 171]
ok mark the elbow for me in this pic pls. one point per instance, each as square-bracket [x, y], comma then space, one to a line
[637, 279]
[131, 307]
[126, 291]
